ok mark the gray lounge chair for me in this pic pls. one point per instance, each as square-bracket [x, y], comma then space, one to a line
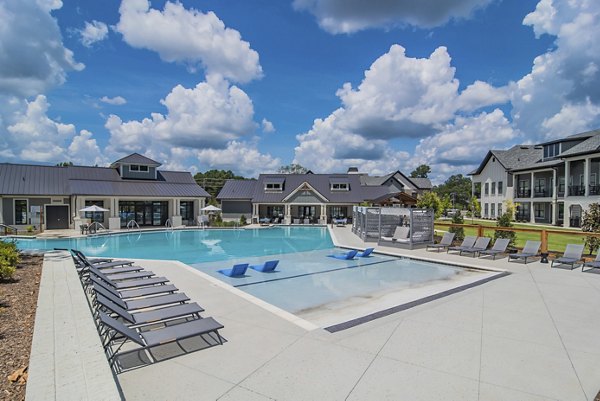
[113, 329]
[444, 243]
[121, 276]
[129, 284]
[480, 245]
[467, 242]
[136, 293]
[142, 303]
[499, 247]
[571, 256]
[401, 234]
[99, 263]
[595, 264]
[530, 250]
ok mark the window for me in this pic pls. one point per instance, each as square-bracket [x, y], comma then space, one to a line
[94, 216]
[551, 150]
[134, 167]
[493, 210]
[540, 186]
[338, 212]
[486, 190]
[20, 211]
[144, 168]
[275, 211]
[273, 186]
[540, 210]
[339, 187]
[493, 188]
[186, 211]
[485, 210]
[500, 189]
[499, 209]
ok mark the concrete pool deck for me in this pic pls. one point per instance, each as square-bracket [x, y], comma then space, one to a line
[526, 336]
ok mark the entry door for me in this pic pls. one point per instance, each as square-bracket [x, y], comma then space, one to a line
[57, 217]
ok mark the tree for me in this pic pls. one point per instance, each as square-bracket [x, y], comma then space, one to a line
[446, 203]
[64, 164]
[430, 200]
[213, 180]
[591, 224]
[474, 207]
[421, 171]
[292, 169]
[458, 188]
[459, 232]
[506, 221]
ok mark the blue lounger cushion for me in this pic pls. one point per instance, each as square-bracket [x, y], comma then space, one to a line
[365, 253]
[266, 267]
[235, 271]
[345, 256]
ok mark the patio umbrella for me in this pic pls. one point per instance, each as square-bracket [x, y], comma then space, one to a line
[93, 208]
[210, 208]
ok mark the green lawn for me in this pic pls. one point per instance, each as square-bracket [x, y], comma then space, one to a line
[556, 242]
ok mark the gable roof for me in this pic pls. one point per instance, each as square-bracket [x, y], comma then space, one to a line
[590, 145]
[515, 158]
[237, 189]
[136, 158]
[419, 183]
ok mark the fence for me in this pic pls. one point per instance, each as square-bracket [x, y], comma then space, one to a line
[376, 222]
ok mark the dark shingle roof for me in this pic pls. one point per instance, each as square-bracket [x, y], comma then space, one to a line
[516, 158]
[22, 179]
[136, 158]
[590, 145]
[422, 183]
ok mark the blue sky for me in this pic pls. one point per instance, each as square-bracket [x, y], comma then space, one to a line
[250, 85]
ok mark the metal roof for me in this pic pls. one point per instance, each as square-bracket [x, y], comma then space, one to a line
[22, 179]
[238, 189]
[274, 180]
[136, 158]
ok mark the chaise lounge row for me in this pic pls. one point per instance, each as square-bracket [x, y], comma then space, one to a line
[131, 306]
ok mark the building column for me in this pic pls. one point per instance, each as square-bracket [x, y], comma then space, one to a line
[587, 168]
[531, 187]
[531, 213]
[323, 216]
[1, 211]
[554, 185]
[567, 215]
[567, 173]
[554, 211]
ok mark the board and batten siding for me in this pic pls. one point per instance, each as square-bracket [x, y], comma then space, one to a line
[493, 171]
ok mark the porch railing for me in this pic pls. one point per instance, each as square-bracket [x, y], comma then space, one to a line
[576, 190]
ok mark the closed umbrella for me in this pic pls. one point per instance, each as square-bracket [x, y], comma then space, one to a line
[93, 208]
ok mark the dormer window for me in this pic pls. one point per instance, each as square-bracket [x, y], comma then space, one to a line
[136, 167]
[274, 184]
[273, 187]
[339, 184]
[339, 187]
[551, 150]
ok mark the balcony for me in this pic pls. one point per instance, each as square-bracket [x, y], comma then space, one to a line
[576, 190]
[594, 189]
[541, 193]
[523, 217]
[524, 193]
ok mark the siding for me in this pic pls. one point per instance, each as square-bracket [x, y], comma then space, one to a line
[236, 207]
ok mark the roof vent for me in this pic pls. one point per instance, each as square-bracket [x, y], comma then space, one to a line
[524, 147]
[352, 170]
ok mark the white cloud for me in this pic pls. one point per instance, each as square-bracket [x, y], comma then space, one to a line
[346, 16]
[190, 37]
[93, 32]
[84, 150]
[115, 101]
[240, 157]
[571, 119]
[267, 126]
[33, 58]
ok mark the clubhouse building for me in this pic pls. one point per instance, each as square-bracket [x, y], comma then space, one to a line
[131, 189]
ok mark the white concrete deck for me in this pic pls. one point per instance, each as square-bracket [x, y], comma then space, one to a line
[527, 336]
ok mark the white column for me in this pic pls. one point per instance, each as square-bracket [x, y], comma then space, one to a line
[554, 211]
[531, 213]
[567, 182]
[586, 175]
[554, 186]
[531, 186]
[323, 217]
[1, 211]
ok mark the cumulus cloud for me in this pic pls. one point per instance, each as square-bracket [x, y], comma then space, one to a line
[243, 158]
[84, 150]
[93, 32]
[267, 126]
[115, 101]
[564, 83]
[190, 37]
[347, 16]
[32, 60]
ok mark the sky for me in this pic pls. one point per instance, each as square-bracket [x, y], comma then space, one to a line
[251, 85]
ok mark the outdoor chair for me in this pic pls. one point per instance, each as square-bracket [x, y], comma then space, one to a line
[142, 303]
[366, 253]
[345, 256]
[480, 245]
[236, 271]
[445, 242]
[129, 284]
[100, 263]
[499, 247]
[122, 276]
[467, 242]
[530, 250]
[400, 235]
[113, 329]
[572, 255]
[267, 267]
[136, 293]
[595, 264]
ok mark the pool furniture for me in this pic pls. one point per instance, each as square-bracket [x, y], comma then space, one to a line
[266, 267]
[595, 264]
[236, 271]
[136, 293]
[100, 262]
[401, 234]
[345, 256]
[113, 329]
[530, 250]
[445, 242]
[122, 276]
[499, 247]
[366, 253]
[128, 284]
[306, 221]
[467, 242]
[572, 255]
[141, 303]
[480, 245]
[340, 222]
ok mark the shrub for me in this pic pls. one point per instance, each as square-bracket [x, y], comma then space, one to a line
[591, 223]
[243, 220]
[459, 232]
[30, 229]
[505, 221]
[9, 257]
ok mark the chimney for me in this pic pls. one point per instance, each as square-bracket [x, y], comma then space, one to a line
[352, 170]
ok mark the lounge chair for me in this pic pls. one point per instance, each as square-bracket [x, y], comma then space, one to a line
[100, 263]
[401, 234]
[142, 303]
[595, 264]
[480, 245]
[366, 253]
[530, 250]
[345, 256]
[122, 276]
[571, 256]
[236, 271]
[444, 243]
[136, 293]
[499, 247]
[113, 329]
[266, 267]
[467, 242]
[129, 284]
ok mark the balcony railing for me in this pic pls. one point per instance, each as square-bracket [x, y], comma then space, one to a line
[524, 193]
[523, 217]
[576, 190]
[541, 193]
[594, 189]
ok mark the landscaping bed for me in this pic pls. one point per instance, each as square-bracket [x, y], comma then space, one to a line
[18, 301]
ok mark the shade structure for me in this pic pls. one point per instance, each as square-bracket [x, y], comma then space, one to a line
[93, 208]
[210, 208]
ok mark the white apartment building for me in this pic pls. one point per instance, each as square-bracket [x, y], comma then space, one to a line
[552, 183]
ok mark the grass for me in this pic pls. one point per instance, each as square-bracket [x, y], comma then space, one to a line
[556, 242]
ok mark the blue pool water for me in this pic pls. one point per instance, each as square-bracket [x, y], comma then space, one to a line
[193, 246]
